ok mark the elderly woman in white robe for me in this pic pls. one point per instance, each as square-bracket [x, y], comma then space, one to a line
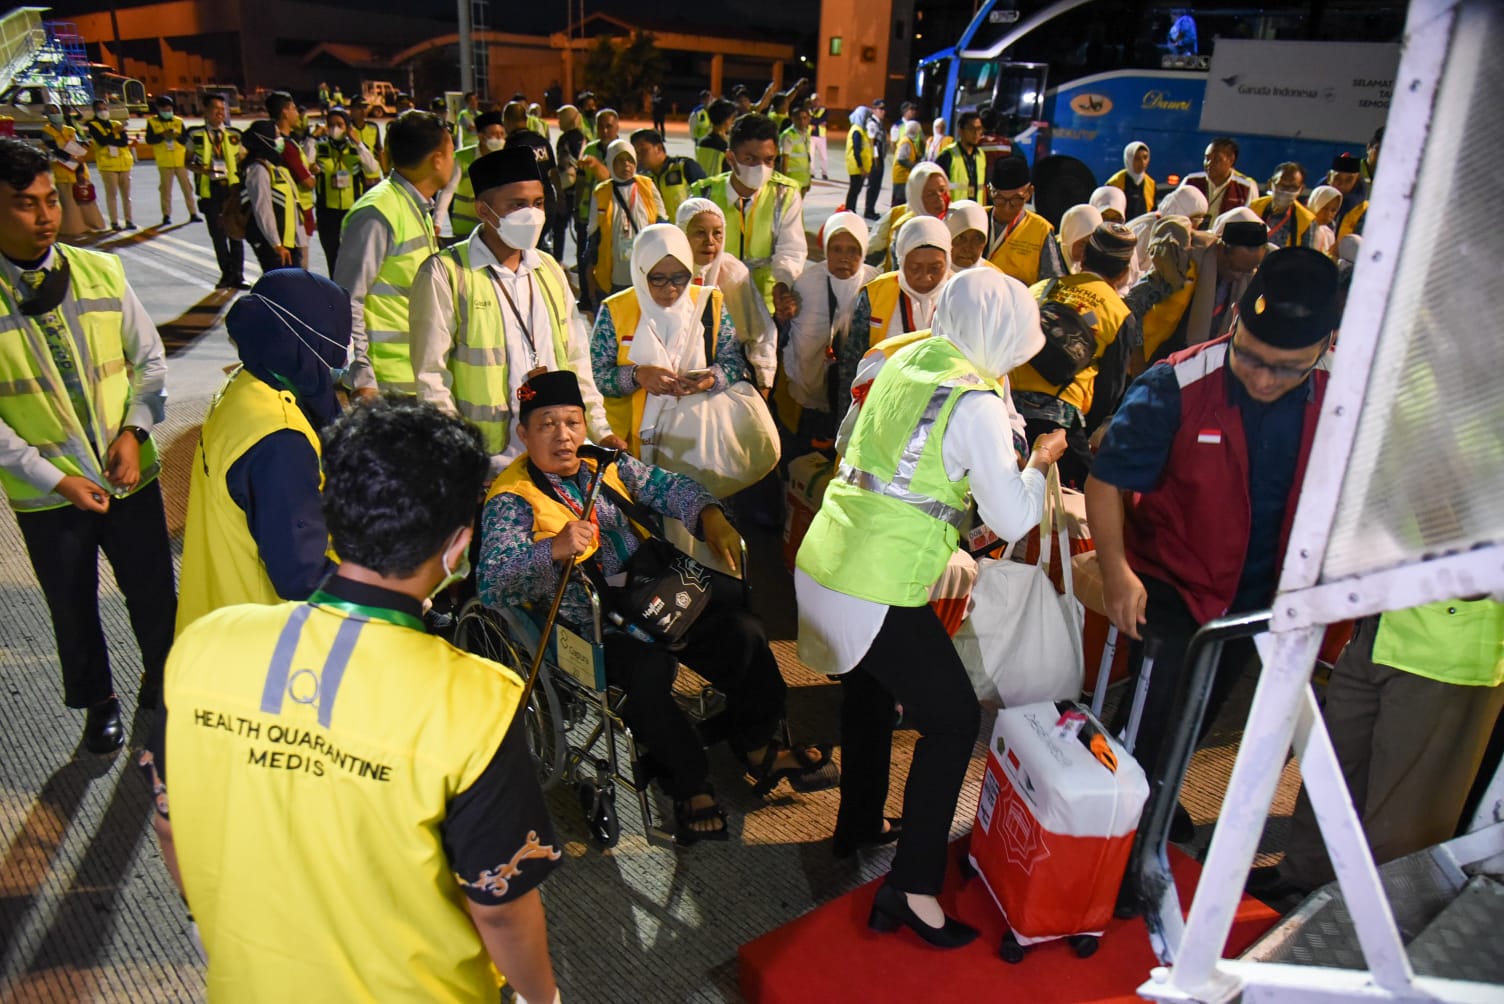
[705, 225]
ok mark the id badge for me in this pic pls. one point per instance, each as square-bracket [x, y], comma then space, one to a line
[624, 247]
[115, 151]
[342, 179]
[171, 144]
[217, 169]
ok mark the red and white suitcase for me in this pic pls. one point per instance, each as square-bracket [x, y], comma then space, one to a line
[807, 478]
[1060, 805]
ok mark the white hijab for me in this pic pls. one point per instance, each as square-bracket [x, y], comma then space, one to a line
[1110, 197]
[846, 290]
[1320, 196]
[963, 216]
[1184, 201]
[1078, 222]
[922, 232]
[666, 336]
[991, 318]
[914, 187]
[688, 210]
[1128, 152]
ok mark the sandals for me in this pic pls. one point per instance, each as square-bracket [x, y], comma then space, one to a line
[685, 818]
[813, 773]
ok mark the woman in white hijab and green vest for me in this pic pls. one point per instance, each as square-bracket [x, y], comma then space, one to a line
[877, 545]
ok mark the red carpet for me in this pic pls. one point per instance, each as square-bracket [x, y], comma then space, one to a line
[829, 955]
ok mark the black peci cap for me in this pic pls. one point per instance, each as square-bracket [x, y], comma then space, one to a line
[1291, 301]
[504, 167]
[1009, 173]
[548, 389]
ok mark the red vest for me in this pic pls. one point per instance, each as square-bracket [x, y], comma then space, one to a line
[1239, 192]
[1192, 530]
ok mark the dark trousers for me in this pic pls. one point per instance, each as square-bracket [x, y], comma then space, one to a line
[329, 224]
[1169, 621]
[229, 253]
[64, 546]
[1075, 463]
[875, 182]
[853, 190]
[900, 193]
[911, 661]
[558, 227]
[728, 647]
[266, 253]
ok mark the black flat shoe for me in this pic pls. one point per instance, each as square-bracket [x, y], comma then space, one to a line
[890, 910]
[103, 730]
[1267, 885]
[844, 848]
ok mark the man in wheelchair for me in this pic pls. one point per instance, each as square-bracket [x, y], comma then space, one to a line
[533, 521]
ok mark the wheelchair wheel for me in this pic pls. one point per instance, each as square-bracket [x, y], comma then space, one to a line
[599, 806]
[482, 631]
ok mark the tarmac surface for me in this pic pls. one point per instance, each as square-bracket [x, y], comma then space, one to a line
[88, 913]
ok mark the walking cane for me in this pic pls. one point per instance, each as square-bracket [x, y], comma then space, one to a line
[603, 457]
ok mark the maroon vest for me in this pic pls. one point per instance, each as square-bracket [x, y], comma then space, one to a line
[1237, 193]
[1192, 530]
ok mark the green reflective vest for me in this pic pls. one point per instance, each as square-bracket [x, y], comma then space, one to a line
[1454, 641]
[795, 147]
[890, 519]
[339, 169]
[462, 217]
[413, 241]
[752, 236]
[478, 360]
[203, 150]
[595, 148]
[968, 186]
[284, 193]
[699, 124]
[34, 400]
[673, 185]
[370, 135]
[712, 156]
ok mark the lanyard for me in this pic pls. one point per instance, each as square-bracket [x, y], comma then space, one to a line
[969, 161]
[527, 333]
[361, 612]
[626, 207]
[742, 206]
[906, 305]
[1275, 227]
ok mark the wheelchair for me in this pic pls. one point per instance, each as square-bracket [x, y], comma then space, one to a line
[576, 730]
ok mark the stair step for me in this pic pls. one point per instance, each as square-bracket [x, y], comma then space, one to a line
[1462, 942]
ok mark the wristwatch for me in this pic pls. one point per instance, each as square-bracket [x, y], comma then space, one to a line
[136, 430]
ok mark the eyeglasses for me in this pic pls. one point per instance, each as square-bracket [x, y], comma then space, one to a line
[678, 280]
[1009, 200]
[1278, 372]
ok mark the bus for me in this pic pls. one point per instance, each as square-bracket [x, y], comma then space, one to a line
[1083, 78]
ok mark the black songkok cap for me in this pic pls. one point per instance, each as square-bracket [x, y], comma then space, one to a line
[504, 167]
[1009, 173]
[1346, 163]
[487, 119]
[548, 389]
[1291, 301]
[1238, 233]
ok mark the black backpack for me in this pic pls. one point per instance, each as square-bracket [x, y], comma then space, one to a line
[1070, 344]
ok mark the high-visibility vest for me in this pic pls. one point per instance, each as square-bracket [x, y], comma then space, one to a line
[550, 515]
[1299, 233]
[625, 413]
[962, 185]
[413, 240]
[754, 247]
[108, 136]
[230, 146]
[1018, 255]
[887, 302]
[315, 745]
[699, 124]
[337, 162]
[222, 565]
[1088, 294]
[795, 146]
[858, 152]
[61, 136]
[889, 522]
[778, 118]
[596, 150]
[605, 214]
[673, 185]
[1460, 642]
[538, 126]
[902, 171]
[1164, 318]
[713, 160]
[284, 193]
[462, 215]
[370, 135]
[478, 360]
[35, 403]
[1120, 180]
[1352, 222]
[169, 152]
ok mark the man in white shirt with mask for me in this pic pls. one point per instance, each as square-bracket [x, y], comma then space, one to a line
[492, 310]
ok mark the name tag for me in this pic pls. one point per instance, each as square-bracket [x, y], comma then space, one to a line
[170, 145]
[342, 179]
[114, 151]
[1213, 436]
[217, 169]
[624, 247]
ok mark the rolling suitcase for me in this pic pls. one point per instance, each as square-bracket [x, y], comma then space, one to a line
[1060, 805]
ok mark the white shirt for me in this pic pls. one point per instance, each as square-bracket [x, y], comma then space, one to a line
[804, 360]
[790, 245]
[749, 313]
[835, 628]
[431, 316]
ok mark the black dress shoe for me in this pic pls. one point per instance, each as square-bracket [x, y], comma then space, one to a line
[103, 730]
[890, 910]
[842, 847]
[1268, 885]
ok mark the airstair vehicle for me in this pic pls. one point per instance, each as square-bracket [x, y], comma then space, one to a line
[45, 61]
[1403, 504]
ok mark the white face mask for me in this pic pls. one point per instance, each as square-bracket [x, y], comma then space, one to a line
[753, 177]
[1282, 200]
[288, 319]
[493, 143]
[520, 228]
[337, 133]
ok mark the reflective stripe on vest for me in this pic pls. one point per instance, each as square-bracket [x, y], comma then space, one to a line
[284, 197]
[370, 135]
[761, 243]
[796, 157]
[386, 301]
[34, 399]
[203, 151]
[462, 216]
[478, 360]
[961, 185]
[331, 162]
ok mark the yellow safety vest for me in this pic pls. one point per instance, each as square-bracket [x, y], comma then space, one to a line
[314, 752]
[1120, 181]
[549, 516]
[1163, 319]
[109, 136]
[339, 166]
[34, 400]
[538, 126]
[699, 124]
[961, 184]
[1304, 218]
[230, 149]
[221, 563]
[370, 135]
[462, 215]
[673, 185]
[713, 160]
[858, 163]
[752, 238]
[61, 136]
[1088, 294]
[795, 145]
[284, 198]
[170, 153]
[413, 240]
[886, 300]
[478, 359]
[1352, 223]
[605, 214]
[1460, 642]
[902, 171]
[1018, 255]
[625, 413]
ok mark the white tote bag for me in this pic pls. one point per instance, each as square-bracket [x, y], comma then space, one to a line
[1021, 642]
[725, 441]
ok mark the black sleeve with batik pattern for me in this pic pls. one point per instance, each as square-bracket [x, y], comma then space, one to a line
[498, 835]
[153, 763]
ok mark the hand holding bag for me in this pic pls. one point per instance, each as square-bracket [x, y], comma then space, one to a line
[1021, 643]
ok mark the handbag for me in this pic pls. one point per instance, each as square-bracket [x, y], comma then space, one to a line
[726, 442]
[1021, 643]
[83, 192]
[233, 219]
